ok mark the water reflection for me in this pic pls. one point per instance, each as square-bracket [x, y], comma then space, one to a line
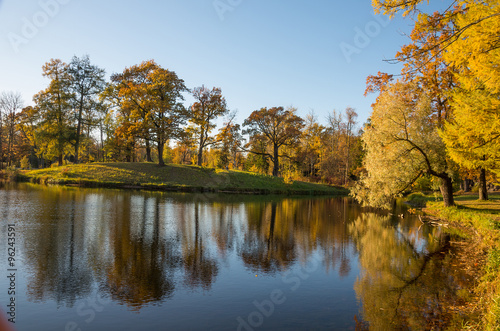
[138, 247]
[407, 280]
[143, 249]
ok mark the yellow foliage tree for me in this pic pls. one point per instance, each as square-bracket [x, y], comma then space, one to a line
[472, 136]
[402, 144]
[153, 94]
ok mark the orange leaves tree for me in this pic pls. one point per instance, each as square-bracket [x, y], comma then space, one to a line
[275, 127]
[209, 105]
[425, 76]
[229, 143]
[153, 95]
[456, 52]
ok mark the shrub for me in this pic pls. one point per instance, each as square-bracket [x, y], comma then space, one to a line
[417, 199]
[25, 163]
[12, 173]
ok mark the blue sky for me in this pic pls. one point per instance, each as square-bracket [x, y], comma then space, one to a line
[306, 54]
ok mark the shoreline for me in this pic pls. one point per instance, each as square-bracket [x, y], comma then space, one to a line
[172, 178]
[478, 223]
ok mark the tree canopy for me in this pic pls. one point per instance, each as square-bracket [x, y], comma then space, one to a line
[275, 127]
[209, 105]
[402, 143]
[154, 95]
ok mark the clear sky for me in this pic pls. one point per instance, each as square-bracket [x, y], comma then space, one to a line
[262, 53]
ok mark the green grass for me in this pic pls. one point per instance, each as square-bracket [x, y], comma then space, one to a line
[172, 177]
[481, 219]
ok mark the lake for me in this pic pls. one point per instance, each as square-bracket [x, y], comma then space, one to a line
[95, 259]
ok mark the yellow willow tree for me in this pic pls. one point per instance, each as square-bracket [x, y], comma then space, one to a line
[401, 144]
[154, 95]
[472, 137]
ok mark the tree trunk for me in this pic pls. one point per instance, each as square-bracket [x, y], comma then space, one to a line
[88, 149]
[60, 159]
[148, 152]
[78, 131]
[447, 191]
[102, 142]
[200, 149]
[160, 153]
[483, 189]
[10, 140]
[276, 162]
[347, 158]
[200, 156]
[466, 185]
[1, 147]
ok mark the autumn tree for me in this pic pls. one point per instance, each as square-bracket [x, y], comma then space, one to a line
[229, 144]
[331, 164]
[28, 124]
[123, 124]
[391, 7]
[258, 160]
[311, 151]
[86, 82]
[185, 148]
[467, 41]
[153, 94]
[10, 104]
[401, 145]
[209, 105]
[472, 135]
[276, 127]
[53, 105]
[351, 116]
[339, 147]
[424, 63]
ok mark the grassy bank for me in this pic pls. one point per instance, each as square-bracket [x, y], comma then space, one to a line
[479, 222]
[171, 178]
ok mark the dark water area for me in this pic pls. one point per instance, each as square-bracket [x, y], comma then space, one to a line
[88, 259]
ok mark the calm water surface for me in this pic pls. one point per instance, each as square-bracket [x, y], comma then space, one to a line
[124, 260]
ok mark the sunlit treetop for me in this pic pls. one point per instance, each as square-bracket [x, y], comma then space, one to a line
[476, 50]
[391, 7]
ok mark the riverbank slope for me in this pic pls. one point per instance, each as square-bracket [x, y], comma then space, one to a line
[479, 222]
[172, 177]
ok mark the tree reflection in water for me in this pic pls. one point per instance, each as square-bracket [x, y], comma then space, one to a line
[56, 252]
[407, 281]
[139, 249]
[200, 269]
[265, 248]
[142, 265]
